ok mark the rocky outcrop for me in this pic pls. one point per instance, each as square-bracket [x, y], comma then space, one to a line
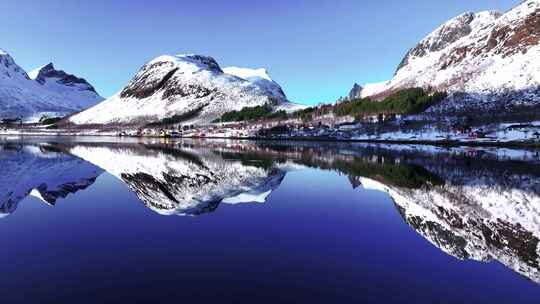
[355, 92]
[48, 73]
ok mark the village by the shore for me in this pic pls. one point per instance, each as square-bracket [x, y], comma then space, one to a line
[379, 128]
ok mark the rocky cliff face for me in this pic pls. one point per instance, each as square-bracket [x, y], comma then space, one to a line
[482, 55]
[70, 87]
[355, 92]
[46, 92]
[175, 85]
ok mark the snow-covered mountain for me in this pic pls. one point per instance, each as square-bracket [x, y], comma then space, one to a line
[175, 85]
[77, 90]
[49, 92]
[261, 78]
[490, 56]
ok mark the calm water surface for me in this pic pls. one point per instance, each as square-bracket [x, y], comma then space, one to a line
[99, 220]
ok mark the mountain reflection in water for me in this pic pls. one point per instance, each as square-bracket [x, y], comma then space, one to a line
[471, 203]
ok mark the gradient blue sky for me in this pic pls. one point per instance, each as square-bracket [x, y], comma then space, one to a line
[315, 49]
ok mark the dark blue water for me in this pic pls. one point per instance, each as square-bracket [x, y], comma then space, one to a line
[315, 238]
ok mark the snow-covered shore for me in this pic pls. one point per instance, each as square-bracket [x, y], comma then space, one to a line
[500, 138]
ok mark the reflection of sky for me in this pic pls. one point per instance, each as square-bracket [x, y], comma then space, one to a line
[314, 239]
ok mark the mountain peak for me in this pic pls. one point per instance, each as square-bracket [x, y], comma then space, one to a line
[356, 92]
[450, 32]
[45, 92]
[186, 83]
[186, 62]
[48, 73]
[35, 72]
[247, 73]
[482, 56]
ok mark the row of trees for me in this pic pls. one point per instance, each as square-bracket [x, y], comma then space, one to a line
[407, 101]
[251, 113]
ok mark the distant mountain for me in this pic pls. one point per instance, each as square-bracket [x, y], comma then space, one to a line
[482, 59]
[45, 92]
[260, 78]
[356, 92]
[176, 85]
[81, 93]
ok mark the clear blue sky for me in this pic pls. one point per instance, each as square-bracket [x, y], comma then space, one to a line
[315, 49]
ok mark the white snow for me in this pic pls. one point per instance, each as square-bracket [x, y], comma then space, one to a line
[476, 74]
[24, 97]
[228, 92]
[247, 74]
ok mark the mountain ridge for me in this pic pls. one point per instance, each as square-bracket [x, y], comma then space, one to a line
[486, 55]
[173, 85]
[50, 93]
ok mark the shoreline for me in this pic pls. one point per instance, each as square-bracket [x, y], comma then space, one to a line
[440, 143]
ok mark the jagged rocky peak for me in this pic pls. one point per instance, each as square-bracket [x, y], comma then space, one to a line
[158, 74]
[48, 73]
[8, 67]
[485, 61]
[450, 32]
[45, 92]
[356, 92]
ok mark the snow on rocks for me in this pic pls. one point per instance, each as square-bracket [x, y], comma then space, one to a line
[175, 85]
[485, 54]
[51, 91]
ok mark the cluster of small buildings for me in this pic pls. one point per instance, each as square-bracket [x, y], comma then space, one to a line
[330, 127]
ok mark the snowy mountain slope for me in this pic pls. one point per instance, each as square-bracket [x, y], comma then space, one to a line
[33, 170]
[486, 55]
[182, 181]
[173, 85]
[77, 90]
[53, 93]
[261, 78]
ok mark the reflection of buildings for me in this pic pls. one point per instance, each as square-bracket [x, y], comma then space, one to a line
[41, 172]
